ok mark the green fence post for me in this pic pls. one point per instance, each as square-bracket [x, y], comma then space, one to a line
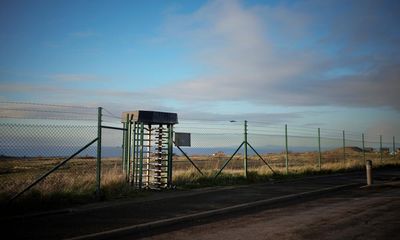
[363, 146]
[319, 149]
[128, 149]
[245, 149]
[98, 162]
[287, 150]
[380, 150]
[394, 148]
[344, 146]
[123, 147]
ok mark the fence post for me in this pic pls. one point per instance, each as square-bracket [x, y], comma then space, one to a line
[123, 148]
[363, 146]
[344, 146]
[287, 150]
[380, 149]
[245, 149]
[394, 148]
[98, 161]
[369, 172]
[319, 149]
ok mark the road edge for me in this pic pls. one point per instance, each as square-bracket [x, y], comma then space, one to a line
[206, 214]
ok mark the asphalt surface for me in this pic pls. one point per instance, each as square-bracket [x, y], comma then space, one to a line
[359, 213]
[96, 218]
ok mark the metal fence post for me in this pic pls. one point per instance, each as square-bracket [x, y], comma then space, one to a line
[98, 162]
[319, 149]
[380, 149]
[369, 172]
[245, 149]
[363, 146]
[123, 147]
[287, 150]
[344, 146]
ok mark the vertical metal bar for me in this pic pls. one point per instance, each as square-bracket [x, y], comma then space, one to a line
[319, 149]
[123, 147]
[127, 147]
[286, 150]
[160, 156]
[136, 152]
[98, 162]
[363, 147]
[141, 155]
[133, 154]
[380, 149]
[129, 158]
[170, 155]
[148, 155]
[245, 149]
[344, 146]
[394, 148]
[369, 172]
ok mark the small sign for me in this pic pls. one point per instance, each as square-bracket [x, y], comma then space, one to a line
[182, 139]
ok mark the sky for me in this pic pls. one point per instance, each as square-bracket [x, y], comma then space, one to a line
[329, 64]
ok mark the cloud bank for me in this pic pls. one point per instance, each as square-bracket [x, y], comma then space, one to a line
[300, 54]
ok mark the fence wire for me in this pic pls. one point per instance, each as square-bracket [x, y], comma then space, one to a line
[36, 137]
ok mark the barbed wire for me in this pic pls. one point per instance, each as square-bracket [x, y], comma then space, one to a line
[185, 123]
[45, 104]
[111, 115]
[47, 125]
[48, 118]
[46, 111]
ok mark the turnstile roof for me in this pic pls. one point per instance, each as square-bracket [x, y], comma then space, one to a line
[150, 117]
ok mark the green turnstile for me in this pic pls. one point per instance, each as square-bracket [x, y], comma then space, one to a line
[147, 148]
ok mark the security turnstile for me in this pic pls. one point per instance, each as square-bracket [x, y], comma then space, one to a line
[148, 148]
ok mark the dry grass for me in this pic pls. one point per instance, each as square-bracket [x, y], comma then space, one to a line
[74, 183]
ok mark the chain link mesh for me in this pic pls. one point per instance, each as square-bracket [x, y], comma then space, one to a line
[36, 137]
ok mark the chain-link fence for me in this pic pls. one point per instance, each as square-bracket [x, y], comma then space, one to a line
[286, 149]
[34, 138]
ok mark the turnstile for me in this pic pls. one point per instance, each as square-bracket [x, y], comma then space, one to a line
[148, 148]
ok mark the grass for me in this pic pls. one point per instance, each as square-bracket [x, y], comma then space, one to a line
[187, 179]
[74, 184]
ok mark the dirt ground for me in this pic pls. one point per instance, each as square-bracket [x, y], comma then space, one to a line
[365, 213]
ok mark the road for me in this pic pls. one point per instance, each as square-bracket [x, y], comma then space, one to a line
[362, 213]
[317, 216]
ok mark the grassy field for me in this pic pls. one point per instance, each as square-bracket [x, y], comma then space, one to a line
[74, 183]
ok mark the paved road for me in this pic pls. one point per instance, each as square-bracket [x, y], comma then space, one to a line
[352, 214]
[163, 205]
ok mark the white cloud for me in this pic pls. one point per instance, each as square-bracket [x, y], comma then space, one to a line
[275, 55]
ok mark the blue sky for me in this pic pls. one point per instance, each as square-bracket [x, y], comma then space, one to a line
[332, 64]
